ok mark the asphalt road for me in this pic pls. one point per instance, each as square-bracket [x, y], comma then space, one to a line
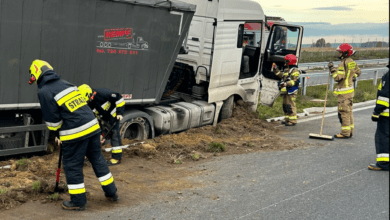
[327, 180]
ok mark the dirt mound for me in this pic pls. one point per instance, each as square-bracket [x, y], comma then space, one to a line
[29, 179]
[155, 166]
[242, 133]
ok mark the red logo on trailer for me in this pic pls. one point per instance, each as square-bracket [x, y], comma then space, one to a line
[118, 33]
[127, 96]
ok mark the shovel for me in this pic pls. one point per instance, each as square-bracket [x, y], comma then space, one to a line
[109, 131]
[320, 135]
[57, 189]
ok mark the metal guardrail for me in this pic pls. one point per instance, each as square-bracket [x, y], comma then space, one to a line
[314, 79]
[324, 65]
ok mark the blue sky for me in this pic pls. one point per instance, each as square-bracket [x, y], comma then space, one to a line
[333, 19]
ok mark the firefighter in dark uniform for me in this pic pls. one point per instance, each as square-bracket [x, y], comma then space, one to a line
[109, 107]
[289, 86]
[381, 116]
[66, 112]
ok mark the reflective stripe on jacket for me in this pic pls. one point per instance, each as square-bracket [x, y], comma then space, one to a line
[343, 75]
[382, 101]
[64, 109]
[107, 103]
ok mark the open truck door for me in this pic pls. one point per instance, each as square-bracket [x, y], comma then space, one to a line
[283, 39]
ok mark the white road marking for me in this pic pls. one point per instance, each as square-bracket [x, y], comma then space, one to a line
[333, 114]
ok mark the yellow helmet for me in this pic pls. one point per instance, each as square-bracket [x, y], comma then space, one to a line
[85, 91]
[37, 68]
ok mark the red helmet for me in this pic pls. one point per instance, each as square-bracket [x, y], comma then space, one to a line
[346, 49]
[291, 59]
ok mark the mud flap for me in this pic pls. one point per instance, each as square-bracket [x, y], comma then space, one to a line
[269, 91]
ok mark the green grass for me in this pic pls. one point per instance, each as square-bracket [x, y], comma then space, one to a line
[308, 56]
[51, 148]
[216, 147]
[3, 191]
[53, 197]
[195, 156]
[365, 91]
[36, 185]
[23, 163]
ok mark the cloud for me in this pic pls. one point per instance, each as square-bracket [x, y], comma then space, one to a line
[354, 32]
[335, 8]
[325, 29]
[311, 23]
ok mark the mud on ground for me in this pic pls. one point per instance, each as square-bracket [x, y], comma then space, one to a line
[160, 164]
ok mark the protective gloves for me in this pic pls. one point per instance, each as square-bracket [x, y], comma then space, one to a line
[374, 117]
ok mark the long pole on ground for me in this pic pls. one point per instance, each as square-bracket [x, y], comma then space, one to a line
[326, 98]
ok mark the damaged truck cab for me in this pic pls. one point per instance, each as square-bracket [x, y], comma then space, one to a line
[214, 51]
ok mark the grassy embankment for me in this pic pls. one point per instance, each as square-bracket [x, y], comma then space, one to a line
[365, 91]
[309, 55]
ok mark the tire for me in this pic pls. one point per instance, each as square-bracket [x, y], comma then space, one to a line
[227, 109]
[135, 128]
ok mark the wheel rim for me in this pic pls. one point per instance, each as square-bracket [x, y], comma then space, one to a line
[132, 130]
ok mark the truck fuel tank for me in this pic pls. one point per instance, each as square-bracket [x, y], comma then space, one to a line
[181, 116]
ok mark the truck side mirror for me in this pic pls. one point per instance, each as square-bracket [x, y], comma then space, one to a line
[183, 50]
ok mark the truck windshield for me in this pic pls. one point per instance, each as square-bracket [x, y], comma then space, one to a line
[284, 40]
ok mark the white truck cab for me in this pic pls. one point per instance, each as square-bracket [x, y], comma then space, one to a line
[215, 50]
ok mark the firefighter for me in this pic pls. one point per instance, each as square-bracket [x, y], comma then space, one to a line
[66, 112]
[289, 88]
[108, 106]
[344, 76]
[381, 116]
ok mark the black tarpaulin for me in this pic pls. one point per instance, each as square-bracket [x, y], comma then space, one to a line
[127, 46]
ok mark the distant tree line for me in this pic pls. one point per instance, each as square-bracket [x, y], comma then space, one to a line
[322, 43]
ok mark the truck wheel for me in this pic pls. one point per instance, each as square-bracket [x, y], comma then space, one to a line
[135, 128]
[227, 109]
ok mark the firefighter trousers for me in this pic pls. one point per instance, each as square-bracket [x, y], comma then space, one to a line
[382, 143]
[116, 141]
[73, 161]
[345, 107]
[289, 109]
